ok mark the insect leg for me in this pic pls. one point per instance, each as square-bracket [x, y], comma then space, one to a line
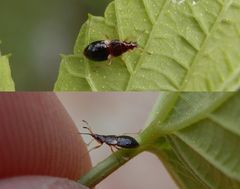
[144, 51]
[95, 147]
[117, 147]
[109, 60]
[90, 142]
[113, 146]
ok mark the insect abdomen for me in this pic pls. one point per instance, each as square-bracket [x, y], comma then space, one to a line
[127, 142]
[97, 51]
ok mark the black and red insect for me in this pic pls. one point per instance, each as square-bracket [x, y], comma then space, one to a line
[117, 142]
[106, 49]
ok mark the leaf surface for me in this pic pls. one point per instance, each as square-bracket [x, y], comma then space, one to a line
[197, 136]
[6, 82]
[188, 45]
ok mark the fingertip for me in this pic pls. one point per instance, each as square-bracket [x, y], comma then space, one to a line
[36, 138]
[39, 182]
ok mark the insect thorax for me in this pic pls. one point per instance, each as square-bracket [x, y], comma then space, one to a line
[111, 140]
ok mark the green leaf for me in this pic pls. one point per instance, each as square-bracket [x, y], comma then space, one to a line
[198, 138]
[188, 45]
[6, 82]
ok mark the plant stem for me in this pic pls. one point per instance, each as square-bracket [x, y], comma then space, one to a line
[107, 166]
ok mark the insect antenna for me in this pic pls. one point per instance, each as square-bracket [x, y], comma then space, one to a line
[93, 148]
[85, 133]
[144, 51]
[88, 128]
[133, 133]
[90, 134]
[84, 121]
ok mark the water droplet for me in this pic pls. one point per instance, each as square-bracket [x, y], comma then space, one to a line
[194, 2]
[178, 1]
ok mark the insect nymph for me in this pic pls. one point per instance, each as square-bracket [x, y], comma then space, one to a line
[106, 49]
[117, 142]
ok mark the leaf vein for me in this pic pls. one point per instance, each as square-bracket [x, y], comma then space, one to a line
[139, 62]
[192, 169]
[150, 17]
[204, 43]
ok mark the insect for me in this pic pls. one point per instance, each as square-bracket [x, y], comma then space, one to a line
[113, 141]
[107, 49]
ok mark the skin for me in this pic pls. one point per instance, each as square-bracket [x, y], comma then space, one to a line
[38, 138]
[39, 182]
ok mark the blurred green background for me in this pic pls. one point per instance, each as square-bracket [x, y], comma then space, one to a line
[36, 32]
